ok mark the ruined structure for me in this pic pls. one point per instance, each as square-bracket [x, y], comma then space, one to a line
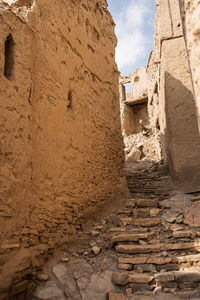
[169, 87]
[140, 117]
[61, 151]
[190, 13]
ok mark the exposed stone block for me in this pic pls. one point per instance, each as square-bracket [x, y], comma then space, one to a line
[140, 287]
[138, 248]
[187, 276]
[120, 277]
[117, 296]
[129, 237]
[141, 212]
[147, 222]
[127, 267]
[132, 260]
[164, 277]
[147, 203]
[140, 278]
[182, 234]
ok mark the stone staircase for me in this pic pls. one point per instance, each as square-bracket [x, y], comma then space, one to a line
[142, 250]
[156, 251]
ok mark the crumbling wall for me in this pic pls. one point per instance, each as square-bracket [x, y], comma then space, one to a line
[176, 102]
[190, 12]
[140, 130]
[172, 87]
[61, 151]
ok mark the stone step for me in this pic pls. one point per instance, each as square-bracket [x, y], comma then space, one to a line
[147, 203]
[130, 237]
[162, 261]
[164, 279]
[154, 248]
[129, 203]
[142, 222]
[133, 249]
[142, 203]
[146, 222]
[146, 212]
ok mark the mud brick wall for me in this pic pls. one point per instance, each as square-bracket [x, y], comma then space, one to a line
[179, 121]
[61, 150]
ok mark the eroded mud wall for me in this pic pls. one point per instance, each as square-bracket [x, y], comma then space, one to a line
[190, 11]
[177, 102]
[61, 150]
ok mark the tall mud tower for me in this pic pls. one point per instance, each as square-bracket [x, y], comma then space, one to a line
[61, 150]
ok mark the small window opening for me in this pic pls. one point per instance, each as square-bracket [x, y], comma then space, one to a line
[9, 57]
[69, 105]
[140, 117]
[156, 88]
[136, 79]
[157, 124]
[128, 90]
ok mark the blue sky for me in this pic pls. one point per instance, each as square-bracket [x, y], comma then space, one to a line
[134, 28]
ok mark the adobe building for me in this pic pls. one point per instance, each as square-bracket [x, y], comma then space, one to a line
[61, 146]
[167, 92]
[61, 149]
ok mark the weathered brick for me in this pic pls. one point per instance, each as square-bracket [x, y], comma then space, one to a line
[140, 278]
[145, 268]
[182, 246]
[164, 277]
[141, 212]
[187, 276]
[147, 203]
[168, 267]
[126, 221]
[140, 287]
[147, 222]
[182, 234]
[132, 260]
[138, 248]
[188, 285]
[120, 277]
[129, 203]
[117, 296]
[156, 260]
[154, 212]
[129, 237]
[127, 267]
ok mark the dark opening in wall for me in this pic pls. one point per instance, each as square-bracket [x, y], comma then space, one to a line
[9, 57]
[127, 86]
[136, 79]
[158, 124]
[69, 98]
[141, 118]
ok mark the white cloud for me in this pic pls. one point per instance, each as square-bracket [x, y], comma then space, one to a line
[130, 27]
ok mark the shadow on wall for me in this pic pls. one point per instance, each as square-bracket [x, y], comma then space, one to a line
[182, 139]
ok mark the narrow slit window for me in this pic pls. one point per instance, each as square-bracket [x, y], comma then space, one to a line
[9, 57]
[128, 90]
